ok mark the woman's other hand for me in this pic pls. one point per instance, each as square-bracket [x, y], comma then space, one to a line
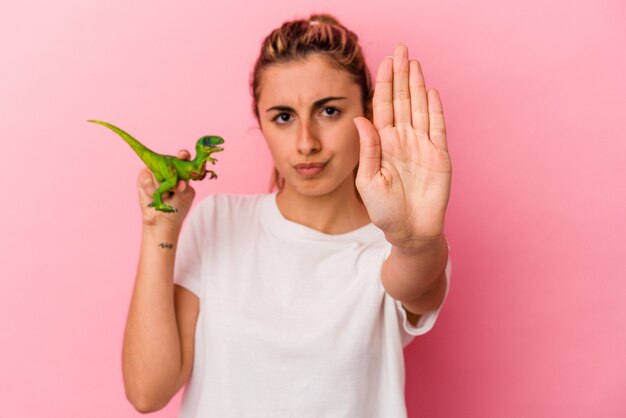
[181, 198]
[404, 169]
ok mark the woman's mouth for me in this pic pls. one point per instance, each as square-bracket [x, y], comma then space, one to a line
[309, 169]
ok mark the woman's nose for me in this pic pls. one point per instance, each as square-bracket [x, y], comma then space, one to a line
[308, 142]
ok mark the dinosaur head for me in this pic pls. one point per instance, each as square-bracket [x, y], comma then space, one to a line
[209, 144]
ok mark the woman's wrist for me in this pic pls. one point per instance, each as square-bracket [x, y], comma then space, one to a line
[161, 234]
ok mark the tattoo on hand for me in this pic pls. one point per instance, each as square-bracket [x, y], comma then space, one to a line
[166, 245]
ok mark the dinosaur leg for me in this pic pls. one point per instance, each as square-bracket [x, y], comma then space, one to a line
[212, 173]
[164, 187]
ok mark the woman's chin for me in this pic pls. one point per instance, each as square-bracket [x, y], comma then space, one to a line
[319, 188]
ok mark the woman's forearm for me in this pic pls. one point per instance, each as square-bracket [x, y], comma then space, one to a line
[151, 358]
[411, 275]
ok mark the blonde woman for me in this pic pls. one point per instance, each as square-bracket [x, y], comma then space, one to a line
[298, 302]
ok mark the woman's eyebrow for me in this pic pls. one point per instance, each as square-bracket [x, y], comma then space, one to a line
[322, 102]
[316, 104]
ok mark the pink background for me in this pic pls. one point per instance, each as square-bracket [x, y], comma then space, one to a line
[535, 101]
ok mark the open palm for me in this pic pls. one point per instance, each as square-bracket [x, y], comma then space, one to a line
[404, 169]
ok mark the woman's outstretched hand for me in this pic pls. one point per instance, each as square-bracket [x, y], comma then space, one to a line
[404, 171]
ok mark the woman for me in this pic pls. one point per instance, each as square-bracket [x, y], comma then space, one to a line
[299, 302]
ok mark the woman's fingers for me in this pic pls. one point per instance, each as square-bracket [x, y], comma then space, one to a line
[401, 93]
[383, 95]
[419, 100]
[437, 125]
[183, 154]
[146, 182]
[370, 154]
[181, 186]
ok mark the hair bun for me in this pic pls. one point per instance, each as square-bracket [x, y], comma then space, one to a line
[323, 18]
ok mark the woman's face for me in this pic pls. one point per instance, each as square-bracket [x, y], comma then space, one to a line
[306, 109]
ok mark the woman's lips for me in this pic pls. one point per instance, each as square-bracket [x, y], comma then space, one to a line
[309, 169]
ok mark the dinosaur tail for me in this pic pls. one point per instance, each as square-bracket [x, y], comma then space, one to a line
[137, 146]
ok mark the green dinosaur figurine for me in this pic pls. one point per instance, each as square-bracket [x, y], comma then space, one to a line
[168, 169]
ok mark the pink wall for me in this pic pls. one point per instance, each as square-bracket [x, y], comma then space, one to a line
[535, 102]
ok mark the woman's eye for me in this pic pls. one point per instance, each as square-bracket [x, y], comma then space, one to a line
[331, 111]
[282, 118]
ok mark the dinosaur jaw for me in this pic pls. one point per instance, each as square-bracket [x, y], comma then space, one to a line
[214, 149]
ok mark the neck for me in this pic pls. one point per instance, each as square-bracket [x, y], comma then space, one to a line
[337, 212]
[197, 162]
[201, 157]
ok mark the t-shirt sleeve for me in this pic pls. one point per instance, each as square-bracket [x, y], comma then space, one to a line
[426, 321]
[188, 263]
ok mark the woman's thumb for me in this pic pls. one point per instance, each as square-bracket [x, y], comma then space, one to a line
[145, 181]
[181, 186]
[369, 158]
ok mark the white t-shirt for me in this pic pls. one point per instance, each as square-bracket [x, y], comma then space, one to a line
[293, 322]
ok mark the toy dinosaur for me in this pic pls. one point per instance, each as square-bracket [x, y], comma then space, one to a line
[167, 169]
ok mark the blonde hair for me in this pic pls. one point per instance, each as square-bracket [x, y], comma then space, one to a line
[319, 34]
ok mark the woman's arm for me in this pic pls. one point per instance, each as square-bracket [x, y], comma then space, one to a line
[404, 180]
[157, 355]
[158, 347]
[416, 276]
